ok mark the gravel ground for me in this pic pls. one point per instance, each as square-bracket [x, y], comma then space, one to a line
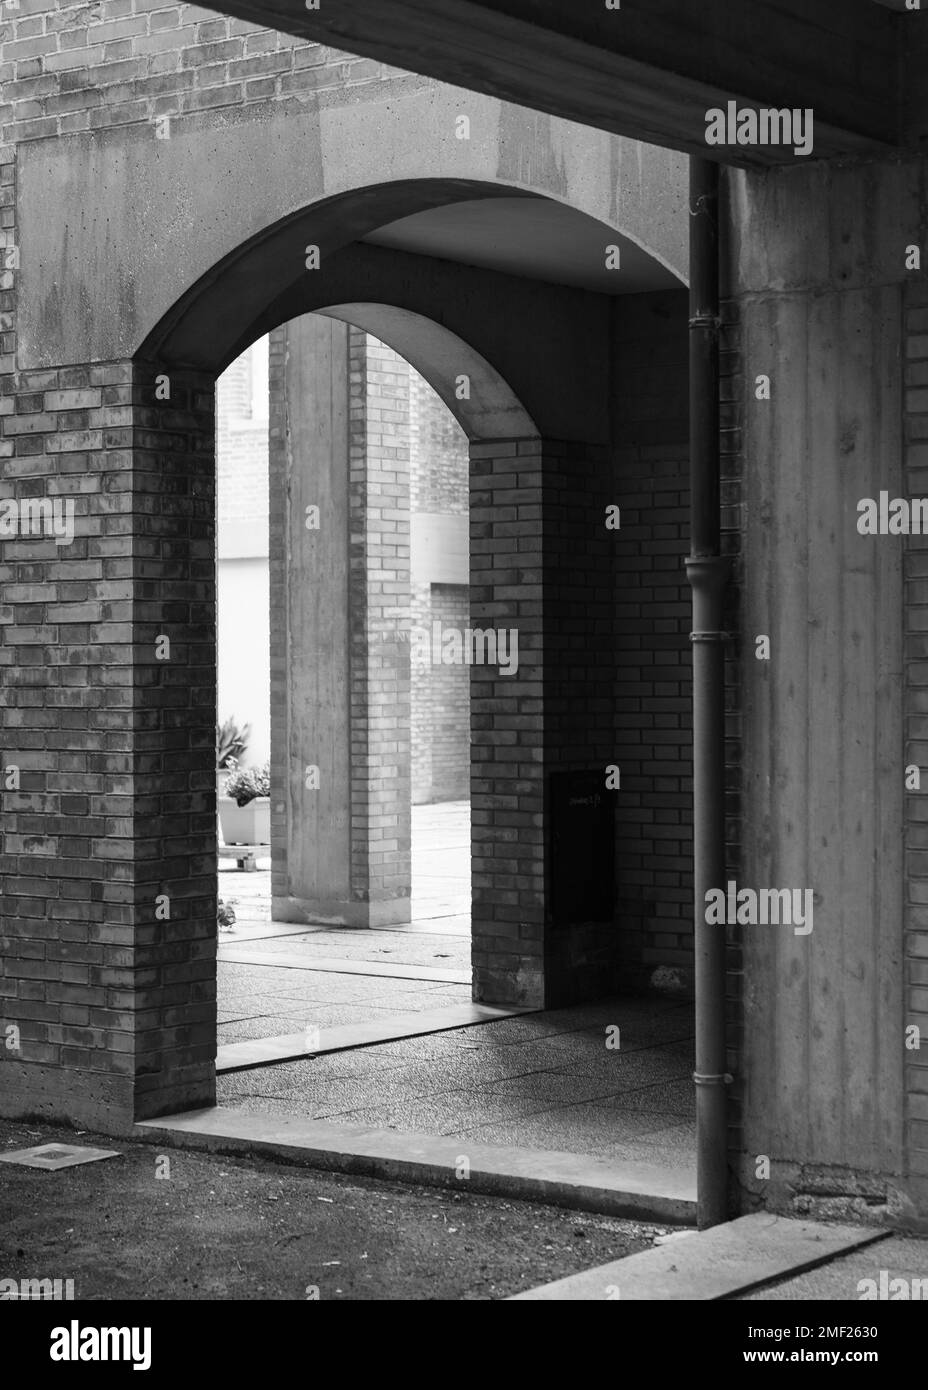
[232, 1228]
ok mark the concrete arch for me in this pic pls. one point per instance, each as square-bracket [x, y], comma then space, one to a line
[216, 316]
[491, 411]
[559, 371]
[265, 281]
[280, 179]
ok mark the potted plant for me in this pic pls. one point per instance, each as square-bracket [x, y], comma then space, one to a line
[231, 743]
[225, 914]
[245, 805]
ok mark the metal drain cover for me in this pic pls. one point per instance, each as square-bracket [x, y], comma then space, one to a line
[54, 1156]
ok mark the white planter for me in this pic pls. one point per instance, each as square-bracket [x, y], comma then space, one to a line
[245, 825]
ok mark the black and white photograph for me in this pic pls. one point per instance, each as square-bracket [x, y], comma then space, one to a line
[463, 672]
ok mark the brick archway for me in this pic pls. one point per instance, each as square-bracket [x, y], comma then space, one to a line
[134, 899]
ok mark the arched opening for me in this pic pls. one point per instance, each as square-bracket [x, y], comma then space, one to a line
[577, 894]
[572, 350]
[371, 745]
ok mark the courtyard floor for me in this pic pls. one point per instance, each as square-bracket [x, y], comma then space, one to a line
[543, 1080]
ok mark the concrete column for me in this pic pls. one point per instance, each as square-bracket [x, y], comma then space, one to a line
[818, 1016]
[339, 582]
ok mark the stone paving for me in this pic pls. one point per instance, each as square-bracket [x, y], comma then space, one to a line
[545, 1080]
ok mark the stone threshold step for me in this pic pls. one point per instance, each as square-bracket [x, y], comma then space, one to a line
[296, 960]
[708, 1265]
[290, 1047]
[643, 1191]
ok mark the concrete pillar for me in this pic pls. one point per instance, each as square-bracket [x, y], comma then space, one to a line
[339, 594]
[820, 351]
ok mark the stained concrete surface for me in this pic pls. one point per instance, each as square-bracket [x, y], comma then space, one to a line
[222, 1227]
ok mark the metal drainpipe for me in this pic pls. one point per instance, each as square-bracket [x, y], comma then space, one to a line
[707, 572]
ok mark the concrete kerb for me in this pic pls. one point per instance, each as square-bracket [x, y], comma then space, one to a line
[710, 1265]
[639, 1191]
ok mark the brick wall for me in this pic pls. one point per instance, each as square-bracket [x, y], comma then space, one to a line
[647, 621]
[115, 806]
[420, 693]
[242, 449]
[438, 480]
[446, 722]
[438, 483]
[379, 600]
[88, 66]
[508, 829]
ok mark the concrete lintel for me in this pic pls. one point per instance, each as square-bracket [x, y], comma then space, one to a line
[708, 1265]
[644, 1191]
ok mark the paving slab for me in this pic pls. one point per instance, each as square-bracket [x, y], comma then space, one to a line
[248, 929]
[715, 1264]
[287, 960]
[542, 1088]
[443, 924]
[287, 1047]
[559, 1179]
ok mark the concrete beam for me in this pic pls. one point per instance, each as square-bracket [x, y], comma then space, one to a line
[649, 69]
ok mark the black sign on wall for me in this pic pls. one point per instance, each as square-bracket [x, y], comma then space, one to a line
[582, 884]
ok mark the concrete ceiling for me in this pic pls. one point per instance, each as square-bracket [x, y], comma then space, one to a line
[649, 69]
[530, 237]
